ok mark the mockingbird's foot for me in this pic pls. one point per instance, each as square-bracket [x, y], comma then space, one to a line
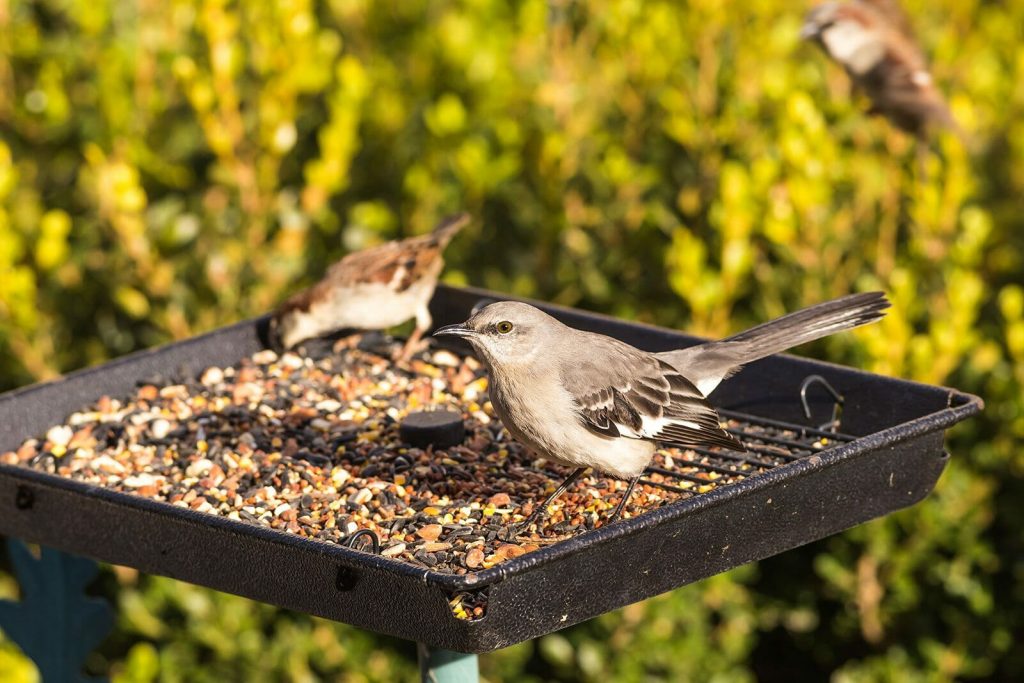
[516, 530]
[542, 510]
[625, 501]
[512, 533]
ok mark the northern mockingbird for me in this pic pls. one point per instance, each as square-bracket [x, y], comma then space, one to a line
[372, 289]
[587, 400]
[874, 43]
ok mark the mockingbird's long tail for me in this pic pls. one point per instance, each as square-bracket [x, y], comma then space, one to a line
[706, 365]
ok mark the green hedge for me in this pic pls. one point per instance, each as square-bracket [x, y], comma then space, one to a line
[169, 167]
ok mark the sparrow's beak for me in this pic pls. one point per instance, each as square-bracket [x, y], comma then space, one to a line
[809, 30]
[459, 330]
[817, 20]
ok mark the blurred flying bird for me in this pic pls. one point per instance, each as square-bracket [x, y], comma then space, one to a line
[874, 43]
[583, 400]
[372, 289]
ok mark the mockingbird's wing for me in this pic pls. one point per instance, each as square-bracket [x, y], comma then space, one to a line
[622, 391]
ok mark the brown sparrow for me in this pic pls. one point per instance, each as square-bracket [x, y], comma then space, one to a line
[874, 43]
[372, 289]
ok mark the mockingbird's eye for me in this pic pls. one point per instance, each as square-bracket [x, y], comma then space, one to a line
[504, 327]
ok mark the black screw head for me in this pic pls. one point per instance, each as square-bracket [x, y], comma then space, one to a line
[437, 428]
[24, 497]
[346, 579]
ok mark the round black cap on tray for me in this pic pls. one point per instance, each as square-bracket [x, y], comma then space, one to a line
[439, 428]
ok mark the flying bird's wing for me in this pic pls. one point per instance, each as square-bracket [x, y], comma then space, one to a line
[904, 90]
[894, 15]
[621, 391]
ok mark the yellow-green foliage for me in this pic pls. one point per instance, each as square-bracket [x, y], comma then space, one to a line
[167, 167]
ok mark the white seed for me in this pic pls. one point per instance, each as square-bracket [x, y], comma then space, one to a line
[159, 428]
[291, 361]
[139, 480]
[60, 435]
[394, 550]
[107, 465]
[212, 376]
[339, 476]
[264, 357]
[199, 468]
[446, 359]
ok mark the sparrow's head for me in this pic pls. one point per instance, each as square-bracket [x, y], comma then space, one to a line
[273, 338]
[291, 322]
[507, 332]
[852, 33]
[818, 20]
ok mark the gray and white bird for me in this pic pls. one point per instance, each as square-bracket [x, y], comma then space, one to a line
[372, 289]
[873, 41]
[583, 399]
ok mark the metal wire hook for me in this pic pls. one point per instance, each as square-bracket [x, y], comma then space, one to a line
[375, 542]
[837, 402]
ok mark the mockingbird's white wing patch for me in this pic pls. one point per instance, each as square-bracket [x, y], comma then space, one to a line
[622, 392]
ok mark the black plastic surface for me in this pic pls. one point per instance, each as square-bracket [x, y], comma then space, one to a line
[895, 462]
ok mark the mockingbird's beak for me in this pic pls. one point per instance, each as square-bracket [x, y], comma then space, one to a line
[455, 331]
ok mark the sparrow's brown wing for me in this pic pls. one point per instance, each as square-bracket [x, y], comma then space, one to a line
[621, 391]
[894, 15]
[400, 263]
[391, 262]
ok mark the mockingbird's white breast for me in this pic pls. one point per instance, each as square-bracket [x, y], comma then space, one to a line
[549, 424]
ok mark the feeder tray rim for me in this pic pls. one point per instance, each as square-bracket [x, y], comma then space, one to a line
[474, 581]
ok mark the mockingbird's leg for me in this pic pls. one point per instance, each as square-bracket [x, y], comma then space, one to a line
[625, 499]
[541, 510]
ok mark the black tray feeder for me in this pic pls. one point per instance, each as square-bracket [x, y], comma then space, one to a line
[885, 452]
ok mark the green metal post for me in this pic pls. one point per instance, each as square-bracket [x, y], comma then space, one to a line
[445, 666]
[55, 623]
